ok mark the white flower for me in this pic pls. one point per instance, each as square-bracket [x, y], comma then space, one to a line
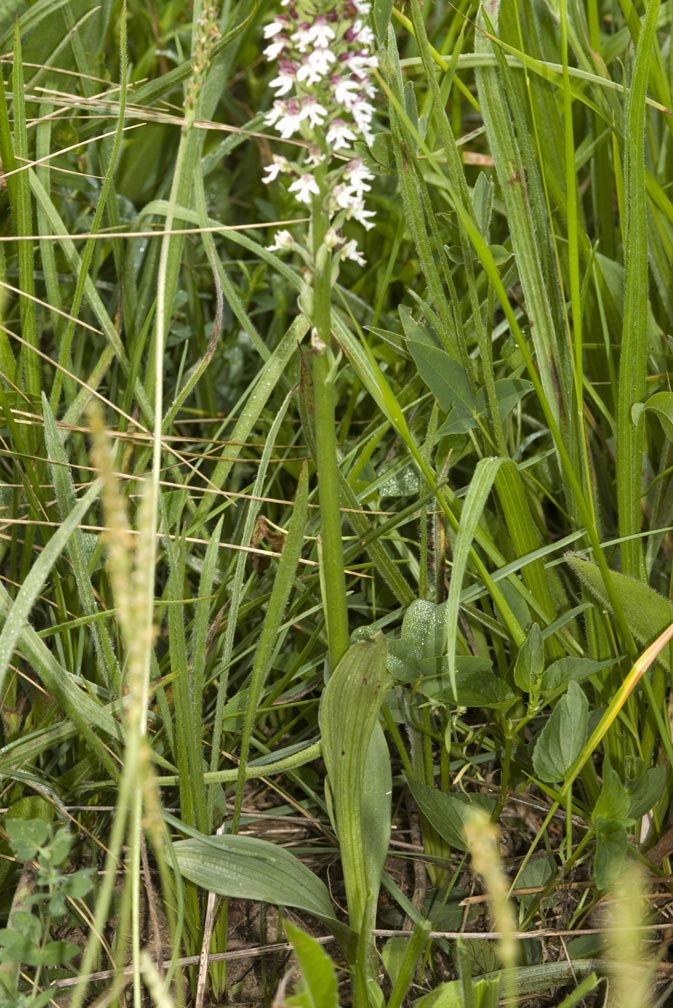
[332, 238]
[286, 117]
[273, 51]
[323, 90]
[339, 134]
[284, 240]
[278, 24]
[285, 80]
[304, 187]
[343, 197]
[358, 175]
[350, 250]
[315, 66]
[361, 216]
[313, 111]
[365, 35]
[345, 90]
[360, 64]
[280, 164]
[318, 35]
[315, 156]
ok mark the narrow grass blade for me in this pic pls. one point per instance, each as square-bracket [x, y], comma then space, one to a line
[477, 494]
[77, 546]
[17, 616]
[23, 217]
[269, 636]
[237, 584]
[521, 186]
[633, 354]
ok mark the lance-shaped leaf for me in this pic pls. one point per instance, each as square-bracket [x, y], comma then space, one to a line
[358, 768]
[245, 867]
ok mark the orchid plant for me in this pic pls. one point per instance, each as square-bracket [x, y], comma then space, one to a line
[323, 104]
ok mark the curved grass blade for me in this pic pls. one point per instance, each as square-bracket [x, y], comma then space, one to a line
[633, 356]
[17, 616]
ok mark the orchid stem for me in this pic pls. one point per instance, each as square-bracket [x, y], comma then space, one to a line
[333, 579]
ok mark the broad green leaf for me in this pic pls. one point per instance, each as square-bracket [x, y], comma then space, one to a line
[563, 736]
[447, 813]
[537, 872]
[648, 613]
[661, 404]
[480, 487]
[508, 392]
[245, 867]
[611, 845]
[393, 953]
[482, 202]
[538, 979]
[559, 673]
[645, 790]
[445, 378]
[358, 775]
[401, 957]
[614, 800]
[477, 689]
[318, 988]
[485, 993]
[26, 836]
[376, 806]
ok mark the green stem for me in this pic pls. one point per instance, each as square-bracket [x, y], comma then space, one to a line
[332, 580]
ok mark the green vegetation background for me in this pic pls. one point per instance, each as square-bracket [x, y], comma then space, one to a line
[505, 428]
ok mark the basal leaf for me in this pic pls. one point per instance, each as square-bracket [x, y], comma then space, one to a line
[357, 773]
[614, 800]
[246, 867]
[478, 689]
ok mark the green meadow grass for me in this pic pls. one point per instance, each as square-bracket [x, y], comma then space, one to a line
[214, 768]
